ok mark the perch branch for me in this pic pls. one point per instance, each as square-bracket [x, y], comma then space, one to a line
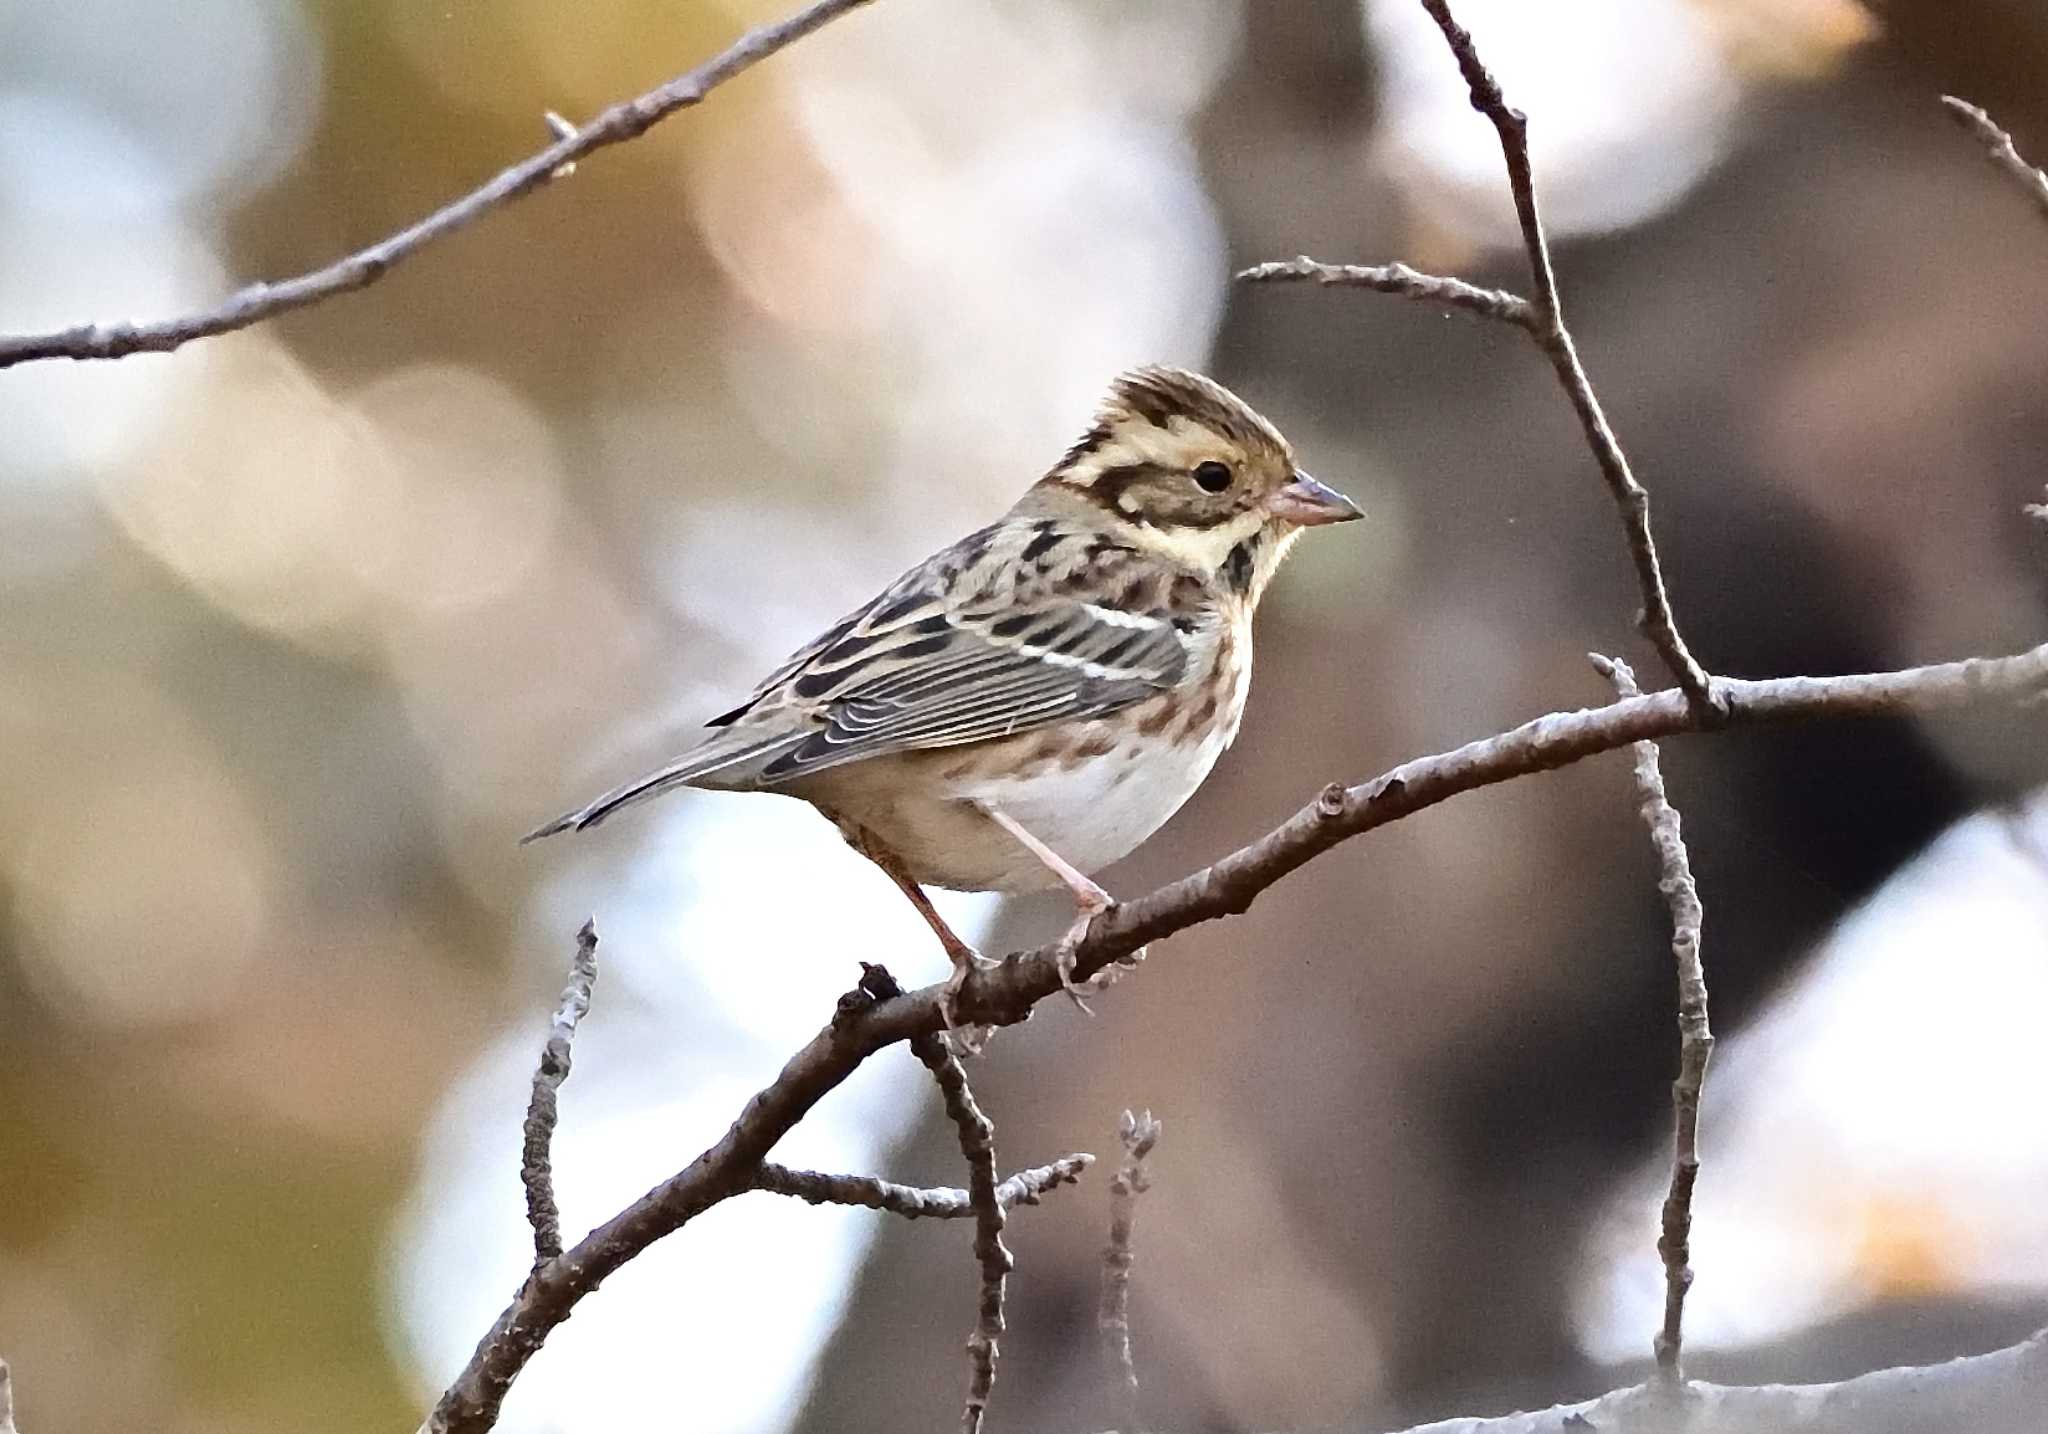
[865, 1023]
[626, 120]
[1542, 317]
[536, 1169]
[2001, 151]
[912, 1203]
[1695, 1036]
[978, 1144]
[1139, 1134]
[6, 1399]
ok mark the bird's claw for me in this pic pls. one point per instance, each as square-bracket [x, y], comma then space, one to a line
[969, 1038]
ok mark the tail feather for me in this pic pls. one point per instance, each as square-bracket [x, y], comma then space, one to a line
[712, 758]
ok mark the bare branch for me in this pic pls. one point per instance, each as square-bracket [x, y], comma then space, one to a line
[1542, 316]
[978, 1144]
[912, 1203]
[1633, 501]
[1695, 1036]
[1398, 278]
[2037, 511]
[536, 1171]
[6, 1399]
[865, 1021]
[257, 302]
[1998, 1393]
[1999, 148]
[1139, 1134]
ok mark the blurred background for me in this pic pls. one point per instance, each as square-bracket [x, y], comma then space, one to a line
[300, 628]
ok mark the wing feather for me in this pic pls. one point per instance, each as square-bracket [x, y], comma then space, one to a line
[976, 685]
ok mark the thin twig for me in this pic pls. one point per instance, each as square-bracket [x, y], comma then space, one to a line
[1542, 317]
[911, 1202]
[978, 1144]
[1139, 1134]
[1398, 278]
[1555, 339]
[2000, 149]
[867, 1022]
[257, 302]
[1695, 1036]
[6, 1399]
[536, 1171]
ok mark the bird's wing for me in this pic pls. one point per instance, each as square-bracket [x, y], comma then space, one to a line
[916, 668]
[934, 675]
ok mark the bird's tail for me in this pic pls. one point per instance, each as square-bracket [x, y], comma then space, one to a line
[711, 760]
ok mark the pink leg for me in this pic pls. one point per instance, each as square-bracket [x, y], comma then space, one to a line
[1090, 900]
[964, 957]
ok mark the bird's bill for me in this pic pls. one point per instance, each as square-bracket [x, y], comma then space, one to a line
[1307, 503]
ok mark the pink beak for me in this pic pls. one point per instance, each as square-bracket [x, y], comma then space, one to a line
[1307, 503]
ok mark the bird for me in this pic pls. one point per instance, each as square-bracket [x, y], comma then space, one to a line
[1027, 706]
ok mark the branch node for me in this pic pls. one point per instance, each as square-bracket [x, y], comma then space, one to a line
[1331, 801]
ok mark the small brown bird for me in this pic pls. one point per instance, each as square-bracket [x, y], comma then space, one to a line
[1030, 704]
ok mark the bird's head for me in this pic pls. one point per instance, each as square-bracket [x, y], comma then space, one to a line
[1178, 465]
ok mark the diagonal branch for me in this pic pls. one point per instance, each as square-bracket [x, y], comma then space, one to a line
[866, 1022]
[1542, 316]
[911, 1202]
[536, 1171]
[1695, 1036]
[626, 120]
[2000, 150]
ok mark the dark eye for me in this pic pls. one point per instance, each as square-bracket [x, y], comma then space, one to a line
[1212, 477]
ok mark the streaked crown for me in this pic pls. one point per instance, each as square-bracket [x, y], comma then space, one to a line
[1156, 428]
[1178, 465]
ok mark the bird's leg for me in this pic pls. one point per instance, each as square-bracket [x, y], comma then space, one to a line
[964, 957]
[1090, 901]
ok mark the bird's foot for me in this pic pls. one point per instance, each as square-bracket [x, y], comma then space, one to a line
[969, 1038]
[1066, 955]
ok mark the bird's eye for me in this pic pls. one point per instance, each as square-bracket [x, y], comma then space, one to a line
[1212, 477]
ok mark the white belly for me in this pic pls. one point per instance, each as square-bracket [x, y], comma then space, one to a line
[1092, 812]
[1099, 811]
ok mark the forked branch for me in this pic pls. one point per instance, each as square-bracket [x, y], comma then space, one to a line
[865, 1023]
[1542, 318]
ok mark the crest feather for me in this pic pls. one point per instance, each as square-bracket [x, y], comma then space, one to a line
[1158, 396]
